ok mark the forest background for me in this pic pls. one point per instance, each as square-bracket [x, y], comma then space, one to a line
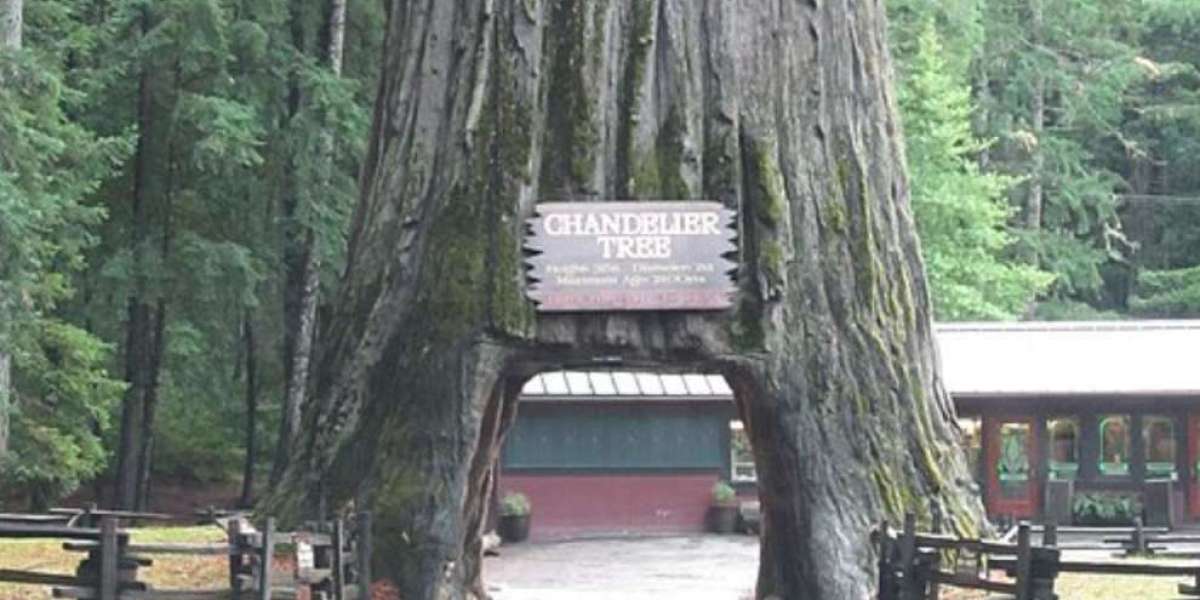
[177, 179]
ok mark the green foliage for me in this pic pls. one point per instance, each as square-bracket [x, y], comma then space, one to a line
[961, 212]
[208, 90]
[515, 504]
[49, 165]
[1171, 293]
[1105, 507]
[64, 401]
[723, 494]
[1079, 61]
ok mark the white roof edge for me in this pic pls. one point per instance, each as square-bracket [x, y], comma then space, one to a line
[1130, 325]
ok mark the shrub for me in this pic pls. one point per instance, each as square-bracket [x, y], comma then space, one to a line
[515, 504]
[723, 493]
[1105, 507]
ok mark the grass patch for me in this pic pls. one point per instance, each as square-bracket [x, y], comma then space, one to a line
[1076, 586]
[47, 556]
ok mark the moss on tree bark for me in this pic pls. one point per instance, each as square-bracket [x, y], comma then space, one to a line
[783, 111]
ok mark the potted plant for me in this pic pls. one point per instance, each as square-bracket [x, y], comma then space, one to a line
[514, 517]
[723, 513]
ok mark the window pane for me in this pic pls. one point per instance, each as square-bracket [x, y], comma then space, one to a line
[1158, 436]
[1114, 445]
[972, 442]
[1012, 468]
[1064, 447]
[741, 456]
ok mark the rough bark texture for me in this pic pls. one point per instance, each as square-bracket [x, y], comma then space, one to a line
[782, 110]
[11, 12]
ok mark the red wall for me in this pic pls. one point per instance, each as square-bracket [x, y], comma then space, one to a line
[568, 505]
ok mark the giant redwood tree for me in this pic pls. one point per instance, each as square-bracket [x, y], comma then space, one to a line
[780, 109]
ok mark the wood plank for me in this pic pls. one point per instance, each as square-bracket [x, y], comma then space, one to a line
[1117, 568]
[908, 555]
[120, 514]
[35, 578]
[1024, 563]
[972, 582]
[947, 542]
[36, 531]
[339, 567]
[109, 553]
[32, 518]
[362, 552]
[194, 549]
[266, 559]
[1111, 568]
[1103, 530]
[150, 594]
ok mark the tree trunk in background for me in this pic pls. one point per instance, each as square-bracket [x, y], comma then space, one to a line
[6, 400]
[251, 350]
[303, 278]
[11, 23]
[1033, 205]
[782, 111]
[11, 19]
[150, 405]
[145, 327]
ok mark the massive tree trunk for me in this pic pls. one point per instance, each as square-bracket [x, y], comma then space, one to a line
[303, 266]
[11, 19]
[782, 111]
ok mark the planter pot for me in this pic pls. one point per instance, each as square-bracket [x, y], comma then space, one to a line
[513, 528]
[723, 518]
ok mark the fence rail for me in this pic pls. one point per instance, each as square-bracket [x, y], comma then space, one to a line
[331, 560]
[914, 566]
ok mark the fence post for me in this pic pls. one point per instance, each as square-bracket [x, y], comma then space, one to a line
[109, 558]
[339, 556]
[929, 576]
[1024, 562]
[235, 558]
[1139, 537]
[1050, 534]
[267, 557]
[887, 579]
[908, 556]
[363, 554]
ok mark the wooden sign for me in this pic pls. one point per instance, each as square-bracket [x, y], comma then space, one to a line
[617, 256]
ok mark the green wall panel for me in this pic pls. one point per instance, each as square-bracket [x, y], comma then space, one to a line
[616, 437]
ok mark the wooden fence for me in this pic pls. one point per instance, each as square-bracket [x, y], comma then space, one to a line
[329, 560]
[915, 566]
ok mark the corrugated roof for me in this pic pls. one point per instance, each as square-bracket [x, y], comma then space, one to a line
[628, 384]
[1071, 358]
[1001, 359]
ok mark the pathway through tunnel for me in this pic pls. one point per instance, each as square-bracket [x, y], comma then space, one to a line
[640, 484]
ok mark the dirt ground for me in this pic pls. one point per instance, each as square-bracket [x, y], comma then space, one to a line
[699, 567]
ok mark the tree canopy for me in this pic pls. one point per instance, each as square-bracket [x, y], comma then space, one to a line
[177, 180]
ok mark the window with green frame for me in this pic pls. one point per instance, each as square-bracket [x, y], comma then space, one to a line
[1158, 440]
[1114, 445]
[1064, 447]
